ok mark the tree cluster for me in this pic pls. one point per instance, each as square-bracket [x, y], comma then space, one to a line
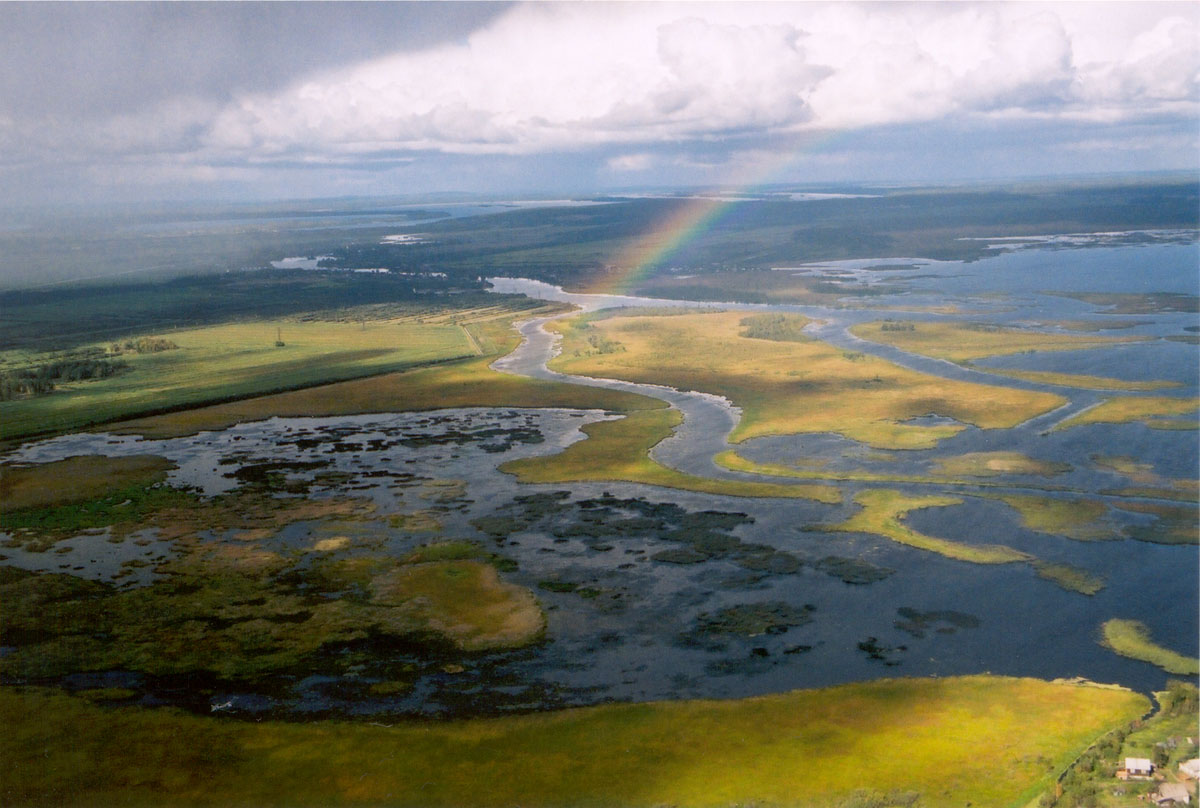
[143, 345]
[40, 380]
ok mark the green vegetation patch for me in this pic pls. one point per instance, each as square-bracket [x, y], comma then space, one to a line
[237, 360]
[754, 619]
[1131, 303]
[1080, 519]
[939, 621]
[76, 480]
[1068, 577]
[237, 611]
[1131, 638]
[1173, 524]
[852, 570]
[777, 327]
[985, 740]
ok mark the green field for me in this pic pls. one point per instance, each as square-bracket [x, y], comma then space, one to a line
[234, 361]
[990, 741]
[464, 383]
[786, 387]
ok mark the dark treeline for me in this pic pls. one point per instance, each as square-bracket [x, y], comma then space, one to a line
[40, 380]
[65, 317]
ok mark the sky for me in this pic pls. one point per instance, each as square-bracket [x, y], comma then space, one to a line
[108, 102]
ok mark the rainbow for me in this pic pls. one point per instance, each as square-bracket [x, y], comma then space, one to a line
[637, 260]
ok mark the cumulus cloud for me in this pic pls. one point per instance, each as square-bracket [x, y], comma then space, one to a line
[569, 76]
[628, 79]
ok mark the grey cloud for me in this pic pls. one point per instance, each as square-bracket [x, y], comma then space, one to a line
[98, 59]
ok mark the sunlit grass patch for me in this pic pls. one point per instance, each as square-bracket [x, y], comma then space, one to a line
[464, 601]
[993, 464]
[1082, 381]
[1131, 638]
[883, 511]
[1127, 409]
[960, 470]
[619, 450]
[787, 387]
[988, 740]
[961, 342]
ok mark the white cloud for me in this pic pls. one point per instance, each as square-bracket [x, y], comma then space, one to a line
[568, 76]
[630, 162]
[637, 79]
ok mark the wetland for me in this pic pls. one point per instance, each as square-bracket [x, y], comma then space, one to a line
[569, 511]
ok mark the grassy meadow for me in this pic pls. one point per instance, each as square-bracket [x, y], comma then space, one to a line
[991, 741]
[235, 360]
[463, 383]
[785, 386]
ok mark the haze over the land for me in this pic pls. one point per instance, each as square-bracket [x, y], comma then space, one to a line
[103, 102]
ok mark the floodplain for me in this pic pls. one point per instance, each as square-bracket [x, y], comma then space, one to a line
[749, 526]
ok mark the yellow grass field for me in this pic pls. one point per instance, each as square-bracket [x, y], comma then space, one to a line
[990, 741]
[962, 342]
[789, 387]
[1081, 381]
[1128, 409]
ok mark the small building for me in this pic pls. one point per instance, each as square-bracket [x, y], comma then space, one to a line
[1190, 768]
[1172, 794]
[1136, 768]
